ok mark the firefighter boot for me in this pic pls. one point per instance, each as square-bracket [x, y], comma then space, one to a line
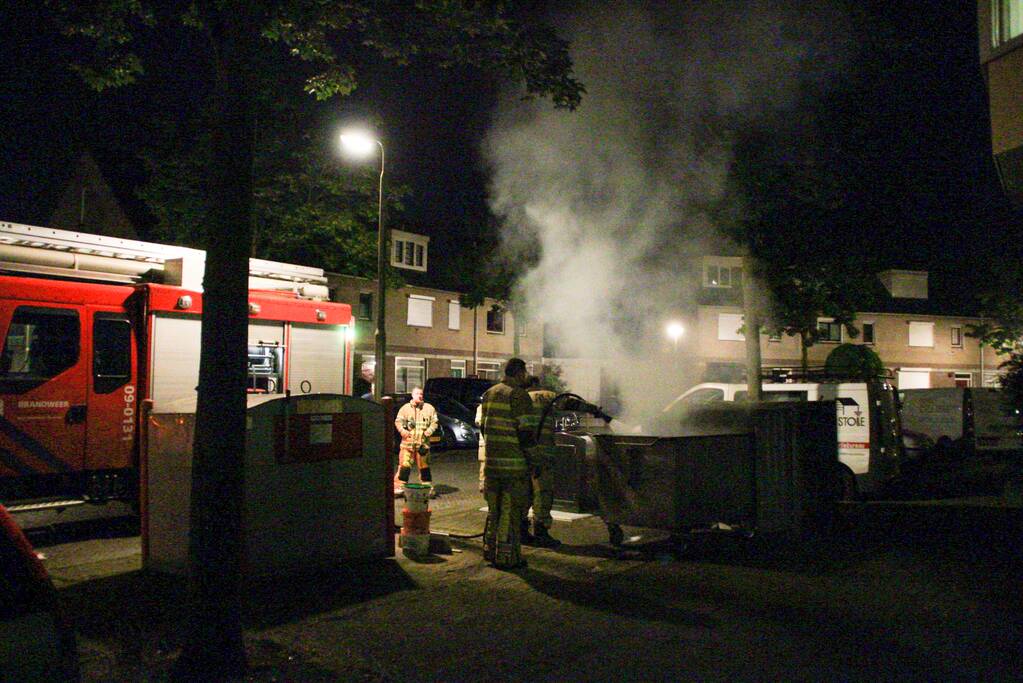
[542, 537]
[525, 537]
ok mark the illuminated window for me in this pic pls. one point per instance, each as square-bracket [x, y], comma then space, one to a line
[420, 311]
[1007, 20]
[454, 315]
[921, 334]
[957, 337]
[409, 373]
[411, 250]
[729, 325]
[488, 370]
[829, 331]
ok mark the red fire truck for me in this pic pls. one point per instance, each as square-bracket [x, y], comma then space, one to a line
[91, 326]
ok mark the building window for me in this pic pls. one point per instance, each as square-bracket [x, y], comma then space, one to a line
[774, 337]
[365, 305]
[957, 337]
[420, 311]
[495, 320]
[1007, 19]
[410, 250]
[409, 373]
[458, 368]
[963, 379]
[829, 332]
[720, 275]
[728, 327]
[487, 369]
[454, 315]
[921, 334]
[868, 333]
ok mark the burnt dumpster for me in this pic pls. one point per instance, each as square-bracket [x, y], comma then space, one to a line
[750, 467]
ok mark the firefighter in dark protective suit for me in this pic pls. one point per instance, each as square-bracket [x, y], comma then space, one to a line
[542, 471]
[506, 472]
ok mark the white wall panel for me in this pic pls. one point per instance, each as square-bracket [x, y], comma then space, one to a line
[316, 356]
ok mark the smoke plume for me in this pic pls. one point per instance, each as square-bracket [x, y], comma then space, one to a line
[614, 197]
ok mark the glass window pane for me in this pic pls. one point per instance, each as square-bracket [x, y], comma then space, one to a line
[111, 353]
[398, 255]
[41, 343]
[419, 255]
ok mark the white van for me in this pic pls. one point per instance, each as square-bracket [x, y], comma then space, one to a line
[974, 442]
[865, 412]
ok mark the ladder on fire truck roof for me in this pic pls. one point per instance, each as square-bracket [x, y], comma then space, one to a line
[28, 249]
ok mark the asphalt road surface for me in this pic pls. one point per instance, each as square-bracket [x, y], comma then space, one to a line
[911, 591]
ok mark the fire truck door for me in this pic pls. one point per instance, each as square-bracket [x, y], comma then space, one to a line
[42, 389]
[112, 399]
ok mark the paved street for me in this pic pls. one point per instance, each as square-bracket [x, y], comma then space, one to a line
[898, 595]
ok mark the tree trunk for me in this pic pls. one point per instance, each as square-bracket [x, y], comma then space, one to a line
[213, 648]
[804, 347]
[751, 322]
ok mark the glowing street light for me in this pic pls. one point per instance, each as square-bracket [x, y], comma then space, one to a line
[675, 332]
[360, 144]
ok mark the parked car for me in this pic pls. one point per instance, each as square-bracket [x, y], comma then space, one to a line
[466, 390]
[455, 428]
[37, 642]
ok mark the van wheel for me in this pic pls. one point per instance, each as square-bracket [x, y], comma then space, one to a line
[848, 491]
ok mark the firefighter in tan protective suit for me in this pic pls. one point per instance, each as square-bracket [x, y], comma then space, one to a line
[542, 470]
[416, 421]
[508, 455]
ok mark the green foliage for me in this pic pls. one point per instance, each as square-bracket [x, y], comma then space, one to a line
[855, 360]
[550, 378]
[1002, 326]
[308, 206]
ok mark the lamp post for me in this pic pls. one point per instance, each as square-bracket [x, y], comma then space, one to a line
[675, 332]
[360, 144]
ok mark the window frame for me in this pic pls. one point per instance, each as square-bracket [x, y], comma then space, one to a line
[419, 297]
[909, 333]
[955, 338]
[455, 320]
[19, 383]
[107, 383]
[460, 366]
[831, 325]
[873, 332]
[724, 325]
[406, 363]
[498, 315]
[365, 310]
[492, 366]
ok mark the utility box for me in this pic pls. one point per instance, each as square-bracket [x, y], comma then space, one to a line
[317, 485]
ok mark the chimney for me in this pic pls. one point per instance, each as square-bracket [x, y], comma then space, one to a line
[905, 284]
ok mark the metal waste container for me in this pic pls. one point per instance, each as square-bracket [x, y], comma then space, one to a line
[755, 467]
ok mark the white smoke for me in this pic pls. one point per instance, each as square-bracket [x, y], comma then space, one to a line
[615, 194]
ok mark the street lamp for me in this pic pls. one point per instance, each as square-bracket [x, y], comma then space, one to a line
[675, 331]
[360, 144]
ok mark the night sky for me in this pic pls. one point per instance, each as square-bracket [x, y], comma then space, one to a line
[929, 109]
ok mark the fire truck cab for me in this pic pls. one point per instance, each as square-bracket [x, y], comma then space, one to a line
[91, 326]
